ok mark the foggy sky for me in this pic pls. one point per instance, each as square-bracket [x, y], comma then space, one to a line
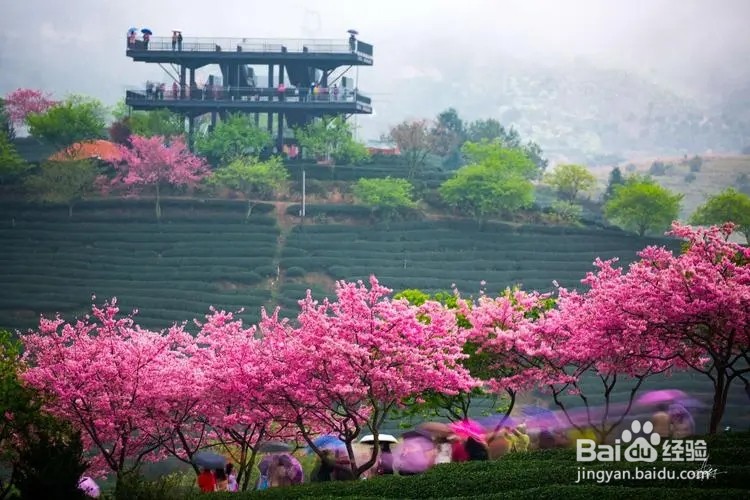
[698, 48]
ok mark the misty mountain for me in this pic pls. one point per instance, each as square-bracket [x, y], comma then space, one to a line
[578, 110]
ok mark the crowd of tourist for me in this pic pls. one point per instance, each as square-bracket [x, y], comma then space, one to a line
[282, 92]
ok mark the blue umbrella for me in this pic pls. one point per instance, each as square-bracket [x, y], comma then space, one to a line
[209, 460]
[327, 442]
[146, 31]
[536, 411]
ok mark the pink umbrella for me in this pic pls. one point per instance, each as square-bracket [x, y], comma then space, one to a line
[468, 429]
[414, 455]
[663, 396]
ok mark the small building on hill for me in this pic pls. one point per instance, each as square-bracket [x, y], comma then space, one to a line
[383, 148]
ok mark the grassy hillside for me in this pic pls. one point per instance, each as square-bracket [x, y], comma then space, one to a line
[716, 174]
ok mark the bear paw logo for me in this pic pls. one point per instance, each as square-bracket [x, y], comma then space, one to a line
[640, 449]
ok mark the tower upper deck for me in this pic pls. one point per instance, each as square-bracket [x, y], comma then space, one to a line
[196, 51]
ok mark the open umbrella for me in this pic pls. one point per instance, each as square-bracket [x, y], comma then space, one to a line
[664, 396]
[297, 475]
[274, 447]
[436, 428]
[147, 31]
[540, 418]
[133, 30]
[383, 438]
[353, 32]
[209, 460]
[326, 442]
[413, 455]
[89, 487]
[495, 422]
[467, 428]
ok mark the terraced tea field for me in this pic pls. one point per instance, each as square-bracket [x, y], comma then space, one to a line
[172, 271]
[436, 255]
[203, 254]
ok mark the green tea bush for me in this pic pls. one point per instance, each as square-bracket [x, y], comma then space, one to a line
[295, 272]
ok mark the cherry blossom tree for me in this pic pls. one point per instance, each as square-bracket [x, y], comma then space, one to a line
[589, 349]
[104, 374]
[500, 334]
[694, 305]
[21, 103]
[350, 362]
[180, 403]
[150, 162]
[239, 413]
[584, 338]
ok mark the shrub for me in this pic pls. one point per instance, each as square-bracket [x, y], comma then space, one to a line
[690, 177]
[295, 272]
[659, 168]
[51, 464]
[266, 271]
[170, 487]
[567, 212]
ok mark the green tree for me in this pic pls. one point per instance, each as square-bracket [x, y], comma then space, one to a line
[254, 178]
[330, 138]
[75, 119]
[157, 122]
[729, 205]
[615, 179]
[447, 136]
[695, 163]
[12, 166]
[62, 182]
[510, 159]
[51, 460]
[641, 205]
[491, 130]
[387, 196]
[482, 190]
[569, 180]
[38, 453]
[6, 125]
[497, 181]
[232, 138]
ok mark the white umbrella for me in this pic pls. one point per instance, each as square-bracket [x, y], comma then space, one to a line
[89, 486]
[383, 438]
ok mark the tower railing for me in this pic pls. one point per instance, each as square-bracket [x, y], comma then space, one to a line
[247, 94]
[263, 45]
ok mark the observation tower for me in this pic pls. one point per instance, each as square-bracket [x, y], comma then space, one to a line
[303, 79]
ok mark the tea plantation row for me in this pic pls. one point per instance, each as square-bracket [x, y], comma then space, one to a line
[202, 254]
[547, 474]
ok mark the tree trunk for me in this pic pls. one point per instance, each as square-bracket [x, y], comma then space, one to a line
[158, 204]
[721, 389]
